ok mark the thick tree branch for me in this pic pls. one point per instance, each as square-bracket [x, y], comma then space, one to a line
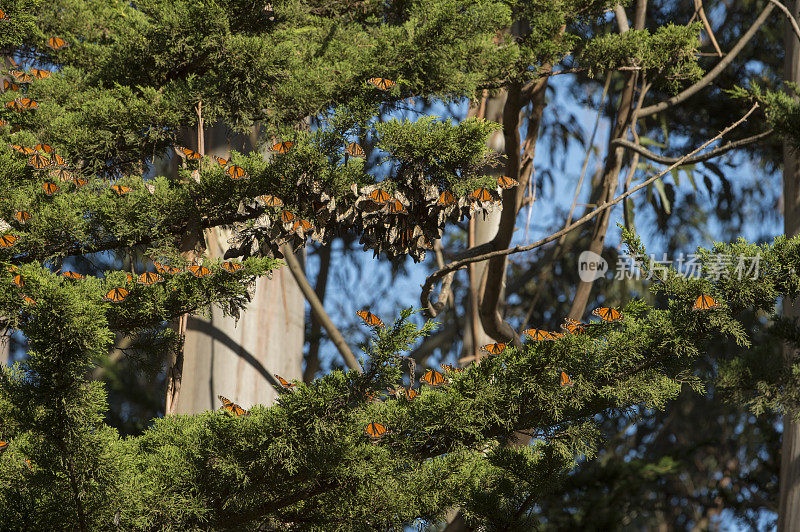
[318, 309]
[714, 72]
[644, 152]
[312, 358]
[486, 251]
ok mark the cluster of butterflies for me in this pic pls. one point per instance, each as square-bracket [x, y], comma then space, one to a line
[118, 294]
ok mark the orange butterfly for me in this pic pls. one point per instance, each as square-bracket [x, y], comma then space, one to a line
[283, 147]
[410, 394]
[271, 201]
[232, 407]
[286, 384]
[494, 349]
[446, 199]
[220, 161]
[302, 225]
[40, 74]
[450, 368]
[607, 313]
[149, 278]
[354, 150]
[375, 431]
[382, 83]
[432, 378]
[116, 295]
[19, 281]
[7, 85]
[379, 196]
[199, 271]
[121, 190]
[288, 217]
[6, 241]
[38, 161]
[370, 319]
[57, 43]
[556, 335]
[537, 335]
[705, 303]
[482, 194]
[129, 277]
[61, 174]
[20, 76]
[188, 154]
[3, 444]
[28, 301]
[73, 275]
[397, 207]
[236, 172]
[79, 181]
[565, 380]
[43, 147]
[22, 216]
[507, 182]
[231, 266]
[27, 104]
[23, 149]
[58, 160]
[3, 16]
[50, 188]
[574, 327]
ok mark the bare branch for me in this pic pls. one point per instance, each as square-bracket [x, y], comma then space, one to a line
[319, 310]
[485, 252]
[644, 152]
[714, 72]
[788, 15]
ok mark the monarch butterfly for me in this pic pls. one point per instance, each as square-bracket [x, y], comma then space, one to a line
[432, 378]
[410, 394]
[61, 174]
[149, 278]
[271, 201]
[231, 266]
[507, 182]
[302, 225]
[282, 147]
[380, 196]
[129, 277]
[58, 160]
[50, 188]
[451, 368]
[220, 161]
[382, 83]
[3, 16]
[286, 384]
[26, 103]
[22, 216]
[482, 194]
[121, 190]
[354, 150]
[3, 444]
[7, 85]
[375, 431]
[288, 217]
[232, 407]
[43, 147]
[79, 181]
[6, 241]
[20, 76]
[565, 380]
[494, 349]
[160, 268]
[446, 198]
[397, 207]
[116, 295]
[73, 275]
[28, 301]
[607, 313]
[370, 319]
[19, 281]
[572, 326]
[38, 161]
[188, 154]
[57, 43]
[40, 74]
[198, 270]
[236, 172]
[538, 335]
[556, 335]
[24, 150]
[705, 303]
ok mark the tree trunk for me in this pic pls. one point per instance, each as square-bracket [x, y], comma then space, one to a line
[789, 508]
[237, 360]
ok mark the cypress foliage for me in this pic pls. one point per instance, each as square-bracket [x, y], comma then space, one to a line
[121, 93]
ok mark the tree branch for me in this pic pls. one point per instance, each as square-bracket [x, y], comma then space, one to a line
[319, 310]
[714, 72]
[485, 252]
[644, 152]
[788, 16]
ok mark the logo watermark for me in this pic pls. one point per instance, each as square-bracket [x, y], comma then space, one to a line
[591, 266]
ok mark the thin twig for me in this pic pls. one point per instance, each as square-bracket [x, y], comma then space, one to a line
[319, 309]
[644, 152]
[788, 15]
[481, 253]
